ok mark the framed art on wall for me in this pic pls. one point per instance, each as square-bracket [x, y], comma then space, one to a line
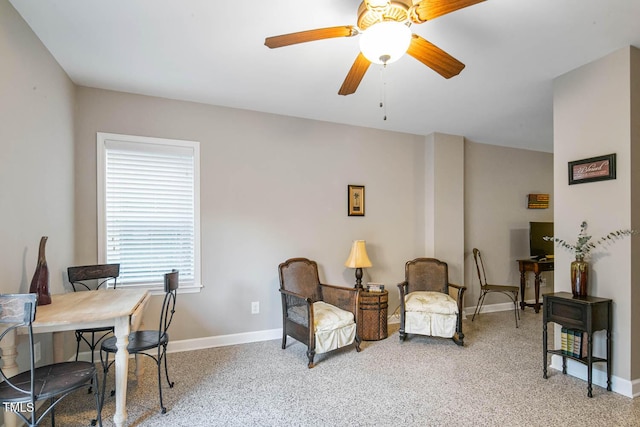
[599, 168]
[355, 200]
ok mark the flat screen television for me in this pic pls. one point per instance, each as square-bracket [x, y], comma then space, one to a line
[538, 247]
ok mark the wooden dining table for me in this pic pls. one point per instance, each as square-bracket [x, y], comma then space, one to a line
[79, 310]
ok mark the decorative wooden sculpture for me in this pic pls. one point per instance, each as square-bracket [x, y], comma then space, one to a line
[40, 281]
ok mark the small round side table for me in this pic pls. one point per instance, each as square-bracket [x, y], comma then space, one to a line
[372, 315]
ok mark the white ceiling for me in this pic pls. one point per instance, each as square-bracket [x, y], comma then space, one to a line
[212, 51]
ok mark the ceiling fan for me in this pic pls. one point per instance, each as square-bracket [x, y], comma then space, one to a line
[385, 36]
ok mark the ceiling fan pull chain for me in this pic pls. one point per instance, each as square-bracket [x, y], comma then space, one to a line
[381, 94]
[383, 91]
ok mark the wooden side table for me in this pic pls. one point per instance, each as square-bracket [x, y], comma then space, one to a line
[536, 267]
[588, 314]
[372, 315]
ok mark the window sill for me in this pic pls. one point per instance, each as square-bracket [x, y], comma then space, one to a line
[158, 290]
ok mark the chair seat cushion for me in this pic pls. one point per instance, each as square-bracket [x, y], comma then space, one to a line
[433, 302]
[50, 380]
[138, 341]
[433, 324]
[336, 338]
[334, 327]
[327, 317]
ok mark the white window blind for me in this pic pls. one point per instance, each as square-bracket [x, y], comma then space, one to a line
[149, 215]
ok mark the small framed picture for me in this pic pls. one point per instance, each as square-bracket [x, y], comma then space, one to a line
[355, 200]
[599, 168]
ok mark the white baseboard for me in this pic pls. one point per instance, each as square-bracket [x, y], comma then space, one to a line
[208, 342]
[467, 311]
[272, 334]
[635, 388]
[491, 308]
[224, 340]
[618, 385]
[576, 369]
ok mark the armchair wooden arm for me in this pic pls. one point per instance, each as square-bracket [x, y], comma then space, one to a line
[295, 295]
[459, 289]
[341, 297]
[457, 292]
[291, 300]
[403, 287]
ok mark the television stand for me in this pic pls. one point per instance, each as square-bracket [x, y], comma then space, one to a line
[537, 267]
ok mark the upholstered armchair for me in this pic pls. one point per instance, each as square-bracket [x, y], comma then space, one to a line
[429, 304]
[323, 317]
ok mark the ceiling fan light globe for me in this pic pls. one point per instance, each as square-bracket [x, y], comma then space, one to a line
[385, 42]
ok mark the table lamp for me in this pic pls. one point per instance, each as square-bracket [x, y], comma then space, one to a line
[358, 259]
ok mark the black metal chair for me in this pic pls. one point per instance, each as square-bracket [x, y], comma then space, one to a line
[142, 341]
[485, 288]
[86, 278]
[51, 382]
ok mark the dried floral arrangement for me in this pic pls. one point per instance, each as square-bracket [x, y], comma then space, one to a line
[584, 245]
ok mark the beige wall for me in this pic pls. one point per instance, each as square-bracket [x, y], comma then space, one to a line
[447, 206]
[634, 301]
[277, 189]
[273, 187]
[497, 182]
[592, 117]
[36, 165]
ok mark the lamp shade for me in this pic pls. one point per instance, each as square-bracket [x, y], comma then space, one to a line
[385, 42]
[358, 257]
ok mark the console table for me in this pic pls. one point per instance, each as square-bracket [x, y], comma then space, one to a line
[587, 314]
[372, 315]
[536, 267]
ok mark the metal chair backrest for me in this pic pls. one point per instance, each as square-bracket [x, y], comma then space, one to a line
[171, 282]
[477, 257]
[19, 310]
[427, 274]
[88, 277]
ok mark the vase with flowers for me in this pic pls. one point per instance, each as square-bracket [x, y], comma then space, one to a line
[582, 249]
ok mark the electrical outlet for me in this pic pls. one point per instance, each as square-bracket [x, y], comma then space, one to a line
[543, 281]
[255, 307]
[527, 283]
[36, 352]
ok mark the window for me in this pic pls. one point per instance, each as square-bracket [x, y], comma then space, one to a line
[148, 209]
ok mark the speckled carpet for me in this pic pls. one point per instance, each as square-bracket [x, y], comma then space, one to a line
[495, 380]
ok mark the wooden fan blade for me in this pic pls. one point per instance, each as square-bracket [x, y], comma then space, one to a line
[309, 36]
[355, 75]
[434, 57]
[430, 9]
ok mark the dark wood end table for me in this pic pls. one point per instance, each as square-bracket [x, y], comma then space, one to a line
[536, 267]
[587, 314]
